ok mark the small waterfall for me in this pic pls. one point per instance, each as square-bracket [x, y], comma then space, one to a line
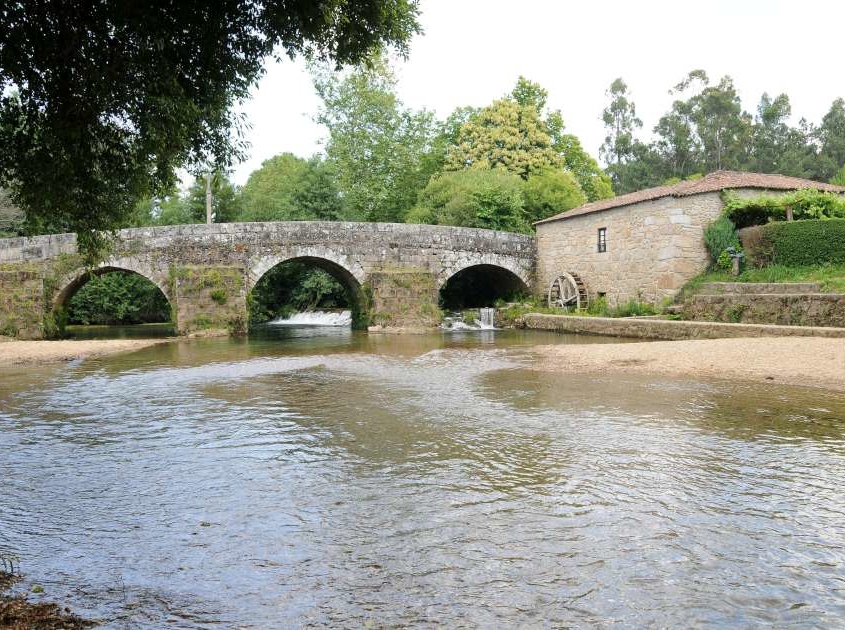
[486, 318]
[315, 318]
[486, 321]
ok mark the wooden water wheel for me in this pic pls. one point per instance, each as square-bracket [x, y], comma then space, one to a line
[568, 291]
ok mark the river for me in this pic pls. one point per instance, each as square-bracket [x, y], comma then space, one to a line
[320, 477]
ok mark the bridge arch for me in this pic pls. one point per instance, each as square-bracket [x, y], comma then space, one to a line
[480, 285]
[486, 260]
[336, 266]
[349, 273]
[72, 282]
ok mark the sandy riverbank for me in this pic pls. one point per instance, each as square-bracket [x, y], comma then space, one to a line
[42, 352]
[803, 361]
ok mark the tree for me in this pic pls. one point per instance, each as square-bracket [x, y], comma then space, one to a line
[289, 188]
[377, 147]
[474, 197]
[504, 134]
[100, 102]
[550, 192]
[11, 217]
[831, 138]
[225, 203]
[620, 119]
[722, 126]
[516, 133]
[118, 298]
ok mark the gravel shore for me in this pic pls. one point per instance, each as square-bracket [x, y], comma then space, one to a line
[801, 361]
[42, 352]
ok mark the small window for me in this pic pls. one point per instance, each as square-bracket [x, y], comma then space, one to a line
[602, 239]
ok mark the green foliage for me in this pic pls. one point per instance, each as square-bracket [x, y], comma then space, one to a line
[379, 150]
[831, 139]
[11, 217]
[798, 243]
[219, 296]
[720, 235]
[118, 298]
[515, 133]
[505, 135]
[620, 119]
[101, 102]
[830, 276]
[547, 193]
[481, 198]
[175, 208]
[289, 188]
[805, 204]
[633, 308]
[724, 260]
[839, 178]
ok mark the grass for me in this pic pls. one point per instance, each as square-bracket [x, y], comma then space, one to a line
[830, 277]
[597, 308]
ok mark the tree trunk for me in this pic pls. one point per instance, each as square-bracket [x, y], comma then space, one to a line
[208, 197]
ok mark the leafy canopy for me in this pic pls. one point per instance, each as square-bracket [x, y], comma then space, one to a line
[102, 101]
[289, 188]
[381, 152]
[476, 197]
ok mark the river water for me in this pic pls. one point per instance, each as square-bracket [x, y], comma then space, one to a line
[330, 478]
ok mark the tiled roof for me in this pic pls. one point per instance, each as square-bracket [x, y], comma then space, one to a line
[712, 182]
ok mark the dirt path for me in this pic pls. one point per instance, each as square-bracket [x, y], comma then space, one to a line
[802, 361]
[42, 352]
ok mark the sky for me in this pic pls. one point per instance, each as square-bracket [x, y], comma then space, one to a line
[472, 52]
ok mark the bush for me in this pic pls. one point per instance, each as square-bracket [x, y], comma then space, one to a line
[796, 243]
[720, 235]
[550, 192]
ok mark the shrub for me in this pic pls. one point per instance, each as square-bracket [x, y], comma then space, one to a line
[218, 296]
[796, 243]
[720, 235]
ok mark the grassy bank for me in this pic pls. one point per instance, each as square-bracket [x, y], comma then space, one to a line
[830, 277]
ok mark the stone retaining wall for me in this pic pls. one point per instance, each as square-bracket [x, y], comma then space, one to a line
[787, 309]
[667, 329]
[756, 288]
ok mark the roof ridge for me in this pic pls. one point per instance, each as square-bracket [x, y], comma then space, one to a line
[714, 181]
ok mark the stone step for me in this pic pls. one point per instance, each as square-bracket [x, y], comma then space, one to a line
[759, 288]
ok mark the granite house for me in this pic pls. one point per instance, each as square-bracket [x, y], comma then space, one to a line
[647, 244]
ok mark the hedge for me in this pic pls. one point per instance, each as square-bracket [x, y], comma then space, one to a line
[795, 243]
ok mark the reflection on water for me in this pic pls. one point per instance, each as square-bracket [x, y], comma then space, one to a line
[136, 331]
[351, 479]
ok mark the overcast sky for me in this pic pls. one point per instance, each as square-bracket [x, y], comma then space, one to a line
[472, 51]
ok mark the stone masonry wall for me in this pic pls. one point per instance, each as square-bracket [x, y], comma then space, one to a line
[406, 298]
[21, 305]
[653, 247]
[807, 309]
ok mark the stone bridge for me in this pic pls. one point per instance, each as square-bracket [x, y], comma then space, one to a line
[392, 272]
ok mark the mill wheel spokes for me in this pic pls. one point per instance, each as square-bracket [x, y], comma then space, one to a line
[568, 291]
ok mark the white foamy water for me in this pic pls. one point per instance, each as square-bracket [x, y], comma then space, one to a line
[315, 318]
[485, 321]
